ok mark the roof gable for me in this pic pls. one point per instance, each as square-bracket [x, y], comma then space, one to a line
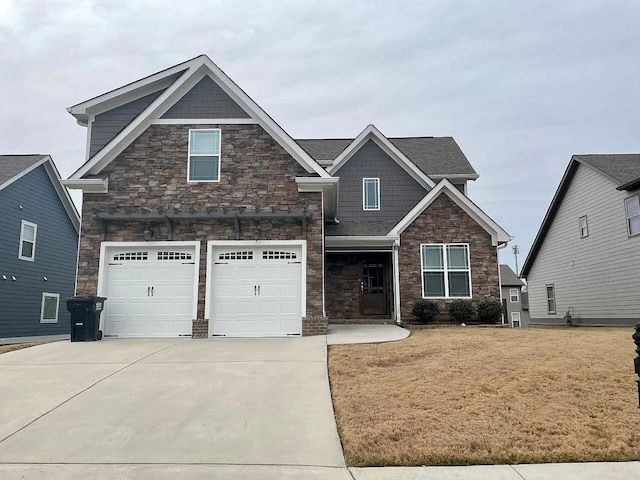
[622, 169]
[508, 277]
[373, 134]
[193, 71]
[22, 165]
[498, 235]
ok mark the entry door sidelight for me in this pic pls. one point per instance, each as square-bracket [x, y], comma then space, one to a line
[373, 291]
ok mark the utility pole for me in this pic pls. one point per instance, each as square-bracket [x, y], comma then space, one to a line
[516, 250]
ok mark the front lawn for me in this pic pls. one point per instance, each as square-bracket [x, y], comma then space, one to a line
[456, 396]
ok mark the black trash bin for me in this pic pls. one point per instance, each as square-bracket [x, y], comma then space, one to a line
[85, 318]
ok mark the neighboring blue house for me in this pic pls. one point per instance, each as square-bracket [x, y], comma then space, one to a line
[38, 247]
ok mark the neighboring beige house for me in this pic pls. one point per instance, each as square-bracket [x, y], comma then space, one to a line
[513, 298]
[585, 259]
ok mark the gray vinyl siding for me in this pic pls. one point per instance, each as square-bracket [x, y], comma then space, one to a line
[206, 100]
[603, 284]
[515, 306]
[108, 124]
[55, 256]
[399, 192]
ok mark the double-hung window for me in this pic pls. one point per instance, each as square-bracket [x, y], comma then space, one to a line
[28, 241]
[632, 206]
[515, 319]
[445, 270]
[204, 155]
[371, 194]
[584, 227]
[551, 299]
[513, 295]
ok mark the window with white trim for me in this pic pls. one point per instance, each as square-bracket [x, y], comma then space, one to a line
[632, 207]
[514, 295]
[515, 320]
[49, 308]
[204, 155]
[371, 194]
[584, 227]
[551, 299]
[446, 271]
[28, 241]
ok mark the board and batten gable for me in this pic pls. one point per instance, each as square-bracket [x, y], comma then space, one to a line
[34, 199]
[597, 276]
[399, 192]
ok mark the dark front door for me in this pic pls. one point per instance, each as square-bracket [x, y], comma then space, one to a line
[373, 291]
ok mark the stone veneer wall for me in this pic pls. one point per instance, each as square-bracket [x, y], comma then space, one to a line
[342, 285]
[445, 222]
[151, 175]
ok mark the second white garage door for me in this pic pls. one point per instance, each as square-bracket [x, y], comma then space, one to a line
[256, 291]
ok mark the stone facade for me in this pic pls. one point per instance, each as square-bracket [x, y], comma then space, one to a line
[342, 285]
[445, 222]
[257, 174]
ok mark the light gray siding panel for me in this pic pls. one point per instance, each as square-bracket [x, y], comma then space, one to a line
[206, 100]
[55, 256]
[515, 306]
[108, 124]
[597, 276]
[399, 192]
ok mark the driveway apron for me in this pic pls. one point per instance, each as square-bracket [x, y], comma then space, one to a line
[251, 402]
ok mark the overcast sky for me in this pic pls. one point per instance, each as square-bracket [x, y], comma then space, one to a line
[521, 86]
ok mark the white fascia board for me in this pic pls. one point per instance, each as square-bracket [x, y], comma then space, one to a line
[372, 133]
[498, 234]
[266, 122]
[328, 187]
[129, 92]
[197, 69]
[88, 185]
[360, 241]
[24, 172]
[63, 193]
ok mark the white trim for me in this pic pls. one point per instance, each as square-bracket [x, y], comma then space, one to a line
[35, 238]
[90, 120]
[189, 154]
[57, 297]
[445, 270]
[498, 235]
[547, 298]
[372, 133]
[88, 185]
[103, 262]
[396, 283]
[204, 121]
[514, 320]
[324, 310]
[376, 182]
[511, 300]
[584, 234]
[211, 244]
[196, 69]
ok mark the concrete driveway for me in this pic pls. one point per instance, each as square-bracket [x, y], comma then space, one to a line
[236, 408]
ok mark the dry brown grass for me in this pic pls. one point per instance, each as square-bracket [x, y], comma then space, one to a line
[461, 396]
[18, 346]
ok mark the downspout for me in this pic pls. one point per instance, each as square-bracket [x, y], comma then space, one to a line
[396, 282]
[500, 247]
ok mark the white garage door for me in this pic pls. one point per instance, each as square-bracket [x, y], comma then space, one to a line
[150, 291]
[256, 292]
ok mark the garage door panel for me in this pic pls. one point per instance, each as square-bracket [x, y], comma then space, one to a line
[150, 291]
[251, 295]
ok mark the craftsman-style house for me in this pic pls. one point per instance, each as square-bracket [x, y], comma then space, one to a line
[202, 216]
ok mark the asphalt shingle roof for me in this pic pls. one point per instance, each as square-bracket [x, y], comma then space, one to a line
[508, 277]
[623, 168]
[12, 165]
[433, 155]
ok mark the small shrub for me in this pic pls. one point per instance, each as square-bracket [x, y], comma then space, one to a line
[489, 311]
[462, 311]
[426, 310]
